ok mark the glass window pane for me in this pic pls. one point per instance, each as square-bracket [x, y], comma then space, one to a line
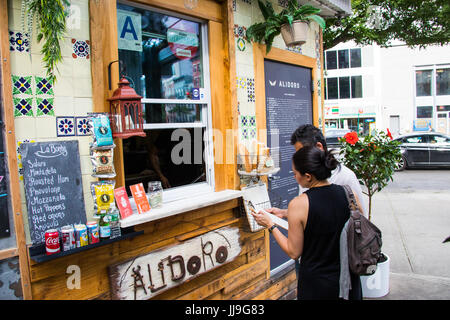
[343, 59]
[442, 108]
[344, 87]
[423, 83]
[355, 58]
[172, 156]
[172, 113]
[166, 62]
[356, 86]
[442, 82]
[425, 112]
[332, 85]
[331, 60]
[415, 139]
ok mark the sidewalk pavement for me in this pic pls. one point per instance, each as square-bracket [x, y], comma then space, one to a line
[414, 224]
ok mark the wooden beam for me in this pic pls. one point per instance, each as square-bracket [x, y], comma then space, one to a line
[9, 253]
[104, 55]
[10, 140]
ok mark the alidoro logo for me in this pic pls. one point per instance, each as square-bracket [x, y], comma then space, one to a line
[285, 84]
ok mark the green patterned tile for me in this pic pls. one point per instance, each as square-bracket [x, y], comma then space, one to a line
[21, 85]
[23, 107]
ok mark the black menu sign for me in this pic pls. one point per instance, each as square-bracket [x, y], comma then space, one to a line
[53, 186]
[288, 105]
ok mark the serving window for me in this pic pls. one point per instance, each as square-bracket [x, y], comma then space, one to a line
[165, 58]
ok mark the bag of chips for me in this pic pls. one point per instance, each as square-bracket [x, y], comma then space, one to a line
[101, 128]
[103, 194]
[102, 163]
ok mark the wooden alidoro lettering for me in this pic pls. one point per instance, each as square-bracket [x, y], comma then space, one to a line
[148, 275]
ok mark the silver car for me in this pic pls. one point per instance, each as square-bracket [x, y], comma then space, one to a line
[427, 149]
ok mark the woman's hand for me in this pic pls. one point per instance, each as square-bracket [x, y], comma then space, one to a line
[262, 218]
[280, 213]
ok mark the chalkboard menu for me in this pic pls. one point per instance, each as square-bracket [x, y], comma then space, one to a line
[53, 186]
[288, 105]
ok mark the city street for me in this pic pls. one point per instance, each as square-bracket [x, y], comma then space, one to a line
[413, 213]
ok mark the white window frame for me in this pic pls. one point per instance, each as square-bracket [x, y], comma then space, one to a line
[186, 191]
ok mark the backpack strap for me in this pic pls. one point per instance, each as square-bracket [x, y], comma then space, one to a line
[354, 208]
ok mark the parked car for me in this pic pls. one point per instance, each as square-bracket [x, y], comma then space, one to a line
[428, 149]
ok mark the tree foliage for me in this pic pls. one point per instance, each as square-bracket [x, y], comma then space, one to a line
[416, 23]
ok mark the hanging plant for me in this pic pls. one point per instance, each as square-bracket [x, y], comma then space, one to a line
[51, 18]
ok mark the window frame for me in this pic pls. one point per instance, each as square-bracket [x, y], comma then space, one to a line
[181, 192]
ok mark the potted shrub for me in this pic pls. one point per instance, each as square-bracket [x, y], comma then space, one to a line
[373, 159]
[292, 22]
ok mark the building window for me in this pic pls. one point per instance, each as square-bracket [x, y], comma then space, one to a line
[332, 86]
[331, 60]
[442, 108]
[423, 82]
[355, 58]
[343, 59]
[424, 112]
[344, 87]
[167, 64]
[442, 82]
[356, 87]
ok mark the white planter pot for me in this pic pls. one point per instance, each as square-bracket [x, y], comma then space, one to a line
[295, 34]
[377, 285]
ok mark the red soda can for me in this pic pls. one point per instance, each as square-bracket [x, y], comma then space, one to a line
[52, 241]
[92, 228]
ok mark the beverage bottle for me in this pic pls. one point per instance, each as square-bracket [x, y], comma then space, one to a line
[105, 229]
[114, 222]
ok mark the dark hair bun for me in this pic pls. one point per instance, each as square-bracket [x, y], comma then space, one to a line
[315, 161]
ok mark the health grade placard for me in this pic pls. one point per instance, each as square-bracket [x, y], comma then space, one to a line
[140, 198]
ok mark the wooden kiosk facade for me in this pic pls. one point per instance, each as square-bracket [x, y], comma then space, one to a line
[231, 62]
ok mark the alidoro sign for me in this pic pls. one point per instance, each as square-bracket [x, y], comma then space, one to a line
[148, 275]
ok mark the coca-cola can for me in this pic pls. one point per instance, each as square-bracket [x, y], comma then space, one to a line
[68, 238]
[52, 241]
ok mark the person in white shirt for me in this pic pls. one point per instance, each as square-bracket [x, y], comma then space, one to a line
[309, 135]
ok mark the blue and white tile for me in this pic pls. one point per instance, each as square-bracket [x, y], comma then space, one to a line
[65, 126]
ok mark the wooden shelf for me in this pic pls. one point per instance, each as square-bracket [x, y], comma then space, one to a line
[39, 255]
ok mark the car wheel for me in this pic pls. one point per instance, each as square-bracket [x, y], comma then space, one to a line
[401, 164]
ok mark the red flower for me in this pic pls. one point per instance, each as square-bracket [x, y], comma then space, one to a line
[389, 134]
[351, 137]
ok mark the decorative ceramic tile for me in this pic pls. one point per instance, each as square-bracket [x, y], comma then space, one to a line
[19, 157]
[252, 121]
[250, 90]
[241, 82]
[247, 1]
[296, 49]
[65, 126]
[240, 44]
[244, 121]
[283, 3]
[21, 85]
[253, 133]
[19, 41]
[240, 31]
[44, 86]
[234, 5]
[82, 126]
[23, 107]
[45, 107]
[244, 133]
[80, 48]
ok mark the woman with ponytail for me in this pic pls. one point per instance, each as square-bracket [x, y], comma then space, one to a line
[316, 219]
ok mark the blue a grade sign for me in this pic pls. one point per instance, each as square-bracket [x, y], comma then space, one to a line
[129, 30]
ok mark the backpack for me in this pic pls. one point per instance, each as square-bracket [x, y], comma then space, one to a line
[363, 240]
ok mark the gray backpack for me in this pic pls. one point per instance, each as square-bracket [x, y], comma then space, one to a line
[363, 240]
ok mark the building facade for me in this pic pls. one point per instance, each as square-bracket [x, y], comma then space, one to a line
[399, 88]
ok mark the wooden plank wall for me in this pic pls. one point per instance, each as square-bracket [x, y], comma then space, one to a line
[243, 278]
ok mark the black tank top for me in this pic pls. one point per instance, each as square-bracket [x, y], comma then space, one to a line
[327, 215]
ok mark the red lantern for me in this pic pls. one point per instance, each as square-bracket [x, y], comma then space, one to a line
[126, 112]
